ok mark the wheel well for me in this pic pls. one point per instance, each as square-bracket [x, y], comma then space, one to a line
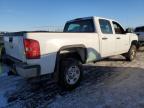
[78, 52]
[135, 43]
[70, 55]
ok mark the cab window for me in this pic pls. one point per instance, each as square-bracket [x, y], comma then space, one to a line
[80, 26]
[118, 29]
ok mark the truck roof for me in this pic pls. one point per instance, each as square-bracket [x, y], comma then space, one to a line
[91, 17]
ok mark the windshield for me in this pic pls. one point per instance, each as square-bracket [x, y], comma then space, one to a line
[80, 26]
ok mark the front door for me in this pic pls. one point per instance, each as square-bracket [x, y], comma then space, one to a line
[107, 38]
[122, 39]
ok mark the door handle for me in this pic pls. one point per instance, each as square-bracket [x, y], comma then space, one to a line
[104, 38]
[118, 38]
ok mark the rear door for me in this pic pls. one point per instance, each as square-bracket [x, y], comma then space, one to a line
[107, 38]
[14, 47]
[122, 38]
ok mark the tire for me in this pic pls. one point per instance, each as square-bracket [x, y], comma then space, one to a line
[130, 56]
[70, 73]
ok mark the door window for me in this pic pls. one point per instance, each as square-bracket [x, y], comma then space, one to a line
[118, 29]
[105, 26]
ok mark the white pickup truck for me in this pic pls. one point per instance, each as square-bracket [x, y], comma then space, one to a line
[61, 55]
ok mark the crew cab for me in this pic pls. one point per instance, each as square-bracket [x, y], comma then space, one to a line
[61, 55]
[140, 32]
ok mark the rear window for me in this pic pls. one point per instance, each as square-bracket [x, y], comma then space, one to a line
[139, 29]
[80, 26]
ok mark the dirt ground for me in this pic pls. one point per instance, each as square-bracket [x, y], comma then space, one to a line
[111, 83]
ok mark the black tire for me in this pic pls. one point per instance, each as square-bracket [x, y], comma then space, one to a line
[130, 56]
[65, 73]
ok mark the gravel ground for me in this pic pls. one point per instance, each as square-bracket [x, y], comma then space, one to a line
[111, 83]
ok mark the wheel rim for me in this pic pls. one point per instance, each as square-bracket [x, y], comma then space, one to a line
[72, 75]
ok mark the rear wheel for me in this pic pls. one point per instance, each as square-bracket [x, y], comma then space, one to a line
[70, 73]
[130, 56]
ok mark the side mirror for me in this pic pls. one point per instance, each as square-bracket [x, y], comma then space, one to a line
[129, 30]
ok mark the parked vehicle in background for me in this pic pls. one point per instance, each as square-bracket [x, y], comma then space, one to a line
[1, 38]
[2, 50]
[1, 53]
[140, 32]
[61, 55]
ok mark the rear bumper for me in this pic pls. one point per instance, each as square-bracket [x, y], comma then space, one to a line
[28, 71]
[23, 69]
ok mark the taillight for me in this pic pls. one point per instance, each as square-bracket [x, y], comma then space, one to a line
[32, 49]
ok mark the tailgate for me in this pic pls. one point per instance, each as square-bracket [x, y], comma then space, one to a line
[14, 47]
